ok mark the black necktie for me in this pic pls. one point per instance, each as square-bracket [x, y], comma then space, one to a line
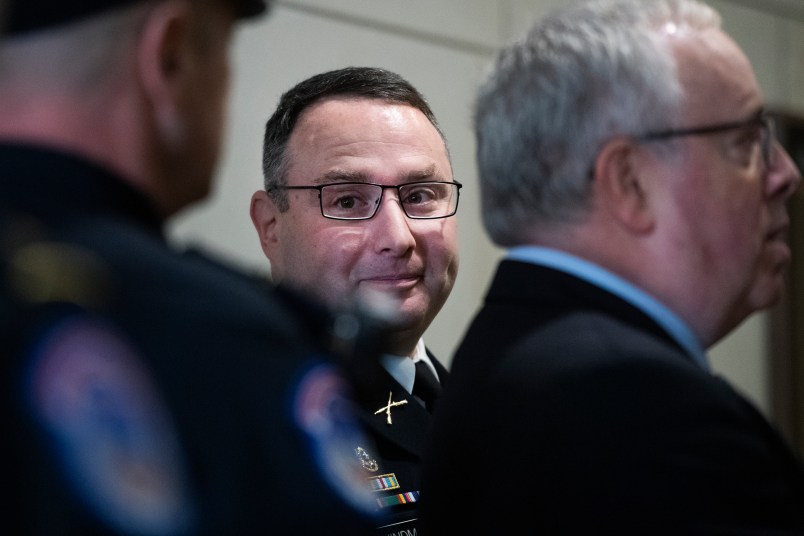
[426, 386]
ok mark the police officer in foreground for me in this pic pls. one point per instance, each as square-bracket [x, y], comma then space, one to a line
[147, 391]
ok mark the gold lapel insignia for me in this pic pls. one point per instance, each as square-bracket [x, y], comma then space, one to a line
[387, 408]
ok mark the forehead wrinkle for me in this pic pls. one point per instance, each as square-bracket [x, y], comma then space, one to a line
[341, 175]
[715, 65]
[420, 174]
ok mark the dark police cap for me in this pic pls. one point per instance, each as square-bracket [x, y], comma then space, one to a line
[31, 15]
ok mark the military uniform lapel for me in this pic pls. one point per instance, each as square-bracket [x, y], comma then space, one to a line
[410, 422]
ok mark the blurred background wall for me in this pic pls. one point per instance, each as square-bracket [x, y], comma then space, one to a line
[443, 48]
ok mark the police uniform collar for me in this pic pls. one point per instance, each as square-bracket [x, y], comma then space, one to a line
[55, 186]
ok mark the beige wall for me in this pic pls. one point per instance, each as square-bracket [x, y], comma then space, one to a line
[443, 47]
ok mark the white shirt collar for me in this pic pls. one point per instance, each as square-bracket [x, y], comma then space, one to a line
[403, 368]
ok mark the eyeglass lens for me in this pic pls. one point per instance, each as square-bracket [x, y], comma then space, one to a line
[358, 201]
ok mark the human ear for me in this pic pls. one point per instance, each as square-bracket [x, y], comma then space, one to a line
[263, 213]
[165, 60]
[619, 182]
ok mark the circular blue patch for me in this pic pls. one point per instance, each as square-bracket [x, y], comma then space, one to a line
[111, 430]
[325, 413]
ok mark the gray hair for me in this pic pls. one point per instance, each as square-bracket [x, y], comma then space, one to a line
[574, 81]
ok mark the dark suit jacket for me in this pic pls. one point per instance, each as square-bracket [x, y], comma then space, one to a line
[264, 444]
[398, 446]
[569, 411]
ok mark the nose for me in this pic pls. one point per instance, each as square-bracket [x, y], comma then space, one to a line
[392, 232]
[784, 177]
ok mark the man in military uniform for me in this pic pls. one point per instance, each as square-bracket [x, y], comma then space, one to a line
[148, 391]
[359, 200]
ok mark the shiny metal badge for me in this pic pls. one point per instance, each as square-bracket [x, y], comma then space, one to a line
[366, 461]
[110, 428]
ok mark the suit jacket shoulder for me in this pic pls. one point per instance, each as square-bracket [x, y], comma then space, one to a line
[600, 421]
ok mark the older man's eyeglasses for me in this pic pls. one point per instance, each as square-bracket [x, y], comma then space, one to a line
[360, 200]
[765, 123]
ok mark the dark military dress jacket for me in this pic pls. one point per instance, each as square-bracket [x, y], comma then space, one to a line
[153, 392]
[392, 468]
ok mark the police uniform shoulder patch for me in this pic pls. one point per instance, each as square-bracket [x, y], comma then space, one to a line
[110, 429]
[325, 413]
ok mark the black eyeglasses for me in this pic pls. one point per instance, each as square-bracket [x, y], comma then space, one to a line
[361, 200]
[763, 121]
